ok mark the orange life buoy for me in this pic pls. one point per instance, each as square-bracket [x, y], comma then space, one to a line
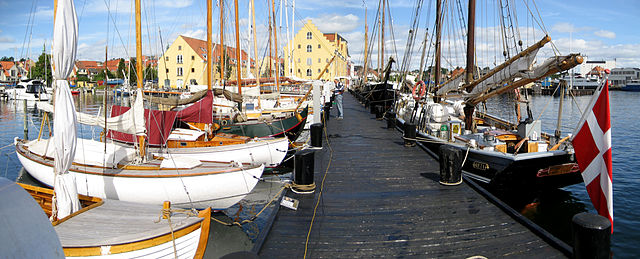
[423, 90]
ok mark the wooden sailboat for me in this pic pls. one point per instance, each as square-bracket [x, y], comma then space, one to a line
[107, 170]
[513, 158]
[89, 226]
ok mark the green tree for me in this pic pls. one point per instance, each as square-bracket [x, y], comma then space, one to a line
[42, 68]
[133, 76]
[100, 75]
[227, 65]
[150, 72]
[82, 78]
[121, 69]
[5, 58]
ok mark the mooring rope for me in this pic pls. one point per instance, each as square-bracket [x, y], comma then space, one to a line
[306, 243]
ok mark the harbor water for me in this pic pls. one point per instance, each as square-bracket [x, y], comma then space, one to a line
[552, 210]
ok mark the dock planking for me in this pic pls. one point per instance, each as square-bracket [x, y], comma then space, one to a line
[382, 199]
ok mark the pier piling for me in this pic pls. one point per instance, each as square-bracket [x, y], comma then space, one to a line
[303, 171]
[316, 135]
[409, 134]
[591, 235]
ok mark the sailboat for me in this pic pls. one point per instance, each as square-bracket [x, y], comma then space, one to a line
[113, 171]
[504, 156]
[90, 226]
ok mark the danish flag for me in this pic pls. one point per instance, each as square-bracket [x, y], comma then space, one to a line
[592, 145]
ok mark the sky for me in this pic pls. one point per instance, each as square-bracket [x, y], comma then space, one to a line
[598, 30]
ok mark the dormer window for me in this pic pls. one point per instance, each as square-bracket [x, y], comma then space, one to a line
[309, 35]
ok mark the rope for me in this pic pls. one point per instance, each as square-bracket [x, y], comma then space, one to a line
[6, 146]
[306, 243]
[166, 213]
[240, 223]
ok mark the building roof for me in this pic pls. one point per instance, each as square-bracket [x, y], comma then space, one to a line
[200, 47]
[5, 66]
[331, 36]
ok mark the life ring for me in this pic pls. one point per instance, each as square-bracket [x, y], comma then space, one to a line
[423, 90]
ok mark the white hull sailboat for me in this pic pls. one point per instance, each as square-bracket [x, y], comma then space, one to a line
[182, 180]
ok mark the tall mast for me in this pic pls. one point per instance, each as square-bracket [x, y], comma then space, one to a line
[238, 57]
[270, 40]
[141, 139]
[382, 36]
[222, 47]
[469, 122]
[288, 53]
[275, 47]
[471, 41]
[248, 68]
[366, 44]
[255, 43]
[438, 37]
[293, 35]
[209, 44]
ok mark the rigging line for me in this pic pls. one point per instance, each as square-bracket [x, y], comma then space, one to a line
[393, 33]
[29, 27]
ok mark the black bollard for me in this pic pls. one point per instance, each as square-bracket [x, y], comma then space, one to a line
[326, 113]
[379, 112]
[391, 120]
[316, 135]
[451, 165]
[372, 108]
[409, 134]
[303, 171]
[591, 236]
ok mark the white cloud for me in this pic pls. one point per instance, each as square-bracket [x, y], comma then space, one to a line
[6, 39]
[605, 34]
[564, 27]
[198, 34]
[174, 3]
[336, 23]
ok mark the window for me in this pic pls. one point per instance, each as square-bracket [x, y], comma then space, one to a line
[179, 83]
[193, 81]
[298, 46]
[193, 58]
[318, 71]
[179, 47]
[319, 60]
[166, 58]
[179, 71]
[309, 61]
[179, 59]
[309, 48]
[327, 60]
[299, 61]
[167, 71]
[308, 35]
[309, 72]
[318, 45]
[205, 56]
[193, 70]
[298, 71]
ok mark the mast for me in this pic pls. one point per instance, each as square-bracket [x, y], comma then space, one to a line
[293, 35]
[255, 43]
[222, 47]
[270, 41]
[275, 47]
[288, 53]
[209, 44]
[438, 71]
[366, 45]
[248, 69]
[469, 122]
[382, 36]
[141, 139]
[238, 57]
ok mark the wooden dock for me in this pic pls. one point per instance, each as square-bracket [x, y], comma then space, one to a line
[381, 199]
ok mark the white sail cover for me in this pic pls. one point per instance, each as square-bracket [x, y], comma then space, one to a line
[450, 85]
[65, 41]
[518, 68]
[132, 121]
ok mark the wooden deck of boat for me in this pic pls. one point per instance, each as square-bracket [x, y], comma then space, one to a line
[381, 199]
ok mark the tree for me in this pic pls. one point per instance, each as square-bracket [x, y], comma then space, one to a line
[150, 73]
[228, 66]
[121, 69]
[133, 76]
[42, 68]
[5, 58]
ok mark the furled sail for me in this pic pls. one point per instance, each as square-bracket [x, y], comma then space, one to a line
[130, 122]
[65, 41]
[450, 85]
[518, 68]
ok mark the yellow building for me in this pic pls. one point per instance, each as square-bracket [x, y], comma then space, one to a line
[185, 62]
[312, 50]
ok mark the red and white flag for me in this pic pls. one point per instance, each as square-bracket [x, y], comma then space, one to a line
[592, 145]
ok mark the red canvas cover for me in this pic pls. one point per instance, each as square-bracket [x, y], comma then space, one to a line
[200, 112]
[158, 124]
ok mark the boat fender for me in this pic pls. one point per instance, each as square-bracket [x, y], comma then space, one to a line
[423, 90]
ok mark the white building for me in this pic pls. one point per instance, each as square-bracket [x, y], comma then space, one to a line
[620, 76]
[588, 65]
